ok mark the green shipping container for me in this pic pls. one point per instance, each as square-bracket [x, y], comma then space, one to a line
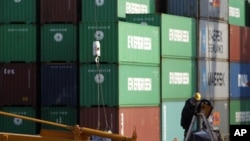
[239, 12]
[17, 125]
[178, 78]
[18, 11]
[239, 111]
[58, 42]
[122, 85]
[120, 42]
[18, 42]
[61, 115]
[113, 10]
[178, 36]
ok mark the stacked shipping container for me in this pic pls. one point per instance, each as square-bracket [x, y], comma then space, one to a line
[18, 58]
[142, 72]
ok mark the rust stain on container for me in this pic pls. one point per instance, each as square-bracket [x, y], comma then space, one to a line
[58, 11]
[123, 119]
[239, 43]
[17, 84]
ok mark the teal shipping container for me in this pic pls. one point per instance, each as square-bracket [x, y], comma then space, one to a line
[171, 120]
[120, 42]
[12, 11]
[239, 12]
[58, 43]
[62, 115]
[113, 10]
[120, 85]
[17, 125]
[18, 42]
[178, 78]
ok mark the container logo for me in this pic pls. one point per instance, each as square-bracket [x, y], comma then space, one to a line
[17, 121]
[216, 79]
[178, 35]
[9, 71]
[234, 12]
[178, 78]
[99, 78]
[243, 80]
[58, 37]
[99, 2]
[99, 35]
[17, 1]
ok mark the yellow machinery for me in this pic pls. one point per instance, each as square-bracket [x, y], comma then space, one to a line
[75, 133]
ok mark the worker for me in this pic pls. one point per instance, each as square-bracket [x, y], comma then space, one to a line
[189, 110]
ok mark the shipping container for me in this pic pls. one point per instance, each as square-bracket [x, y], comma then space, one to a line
[18, 42]
[239, 12]
[65, 11]
[240, 112]
[239, 82]
[206, 9]
[178, 34]
[119, 85]
[114, 10]
[59, 84]
[18, 84]
[100, 117]
[139, 44]
[178, 78]
[213, 79]
[219, 117]
[62, 115]
[17, 125]
[22, 11]
[239, 43]
[171, 120]
[58, 43]
[146, 120]
[213, 39]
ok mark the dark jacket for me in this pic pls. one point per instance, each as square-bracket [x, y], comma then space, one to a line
[187, 113]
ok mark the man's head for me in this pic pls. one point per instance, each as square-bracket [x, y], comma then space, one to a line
[196, 98]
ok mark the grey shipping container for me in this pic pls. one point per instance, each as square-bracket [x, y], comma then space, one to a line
[213, 79]
[213, 40]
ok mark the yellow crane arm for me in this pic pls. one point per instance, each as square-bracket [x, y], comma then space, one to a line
[77, 133]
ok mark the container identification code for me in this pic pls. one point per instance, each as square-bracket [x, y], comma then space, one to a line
[178, 35]
[234, 12]
[132, 8]
[178, 78]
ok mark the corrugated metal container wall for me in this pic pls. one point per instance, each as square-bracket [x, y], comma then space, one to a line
[58, 11]
[17, 42]
[238, 12]
[61, 115]
[213, 38]
[18, 84]
[17, 125]
[140, 44]
[171, 117]
[101, 118]
[239, 80]
[178, 36]
[119, 85]
[208, 9]
[58, 42]
[59, 84]
[178, 78]
[239, 112]
[213, 79]
[18, 11]
[145, 119]
[239, 43]
[220, 116]
[113, 10]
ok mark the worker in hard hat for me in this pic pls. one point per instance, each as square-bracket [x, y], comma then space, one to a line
[189, 110]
